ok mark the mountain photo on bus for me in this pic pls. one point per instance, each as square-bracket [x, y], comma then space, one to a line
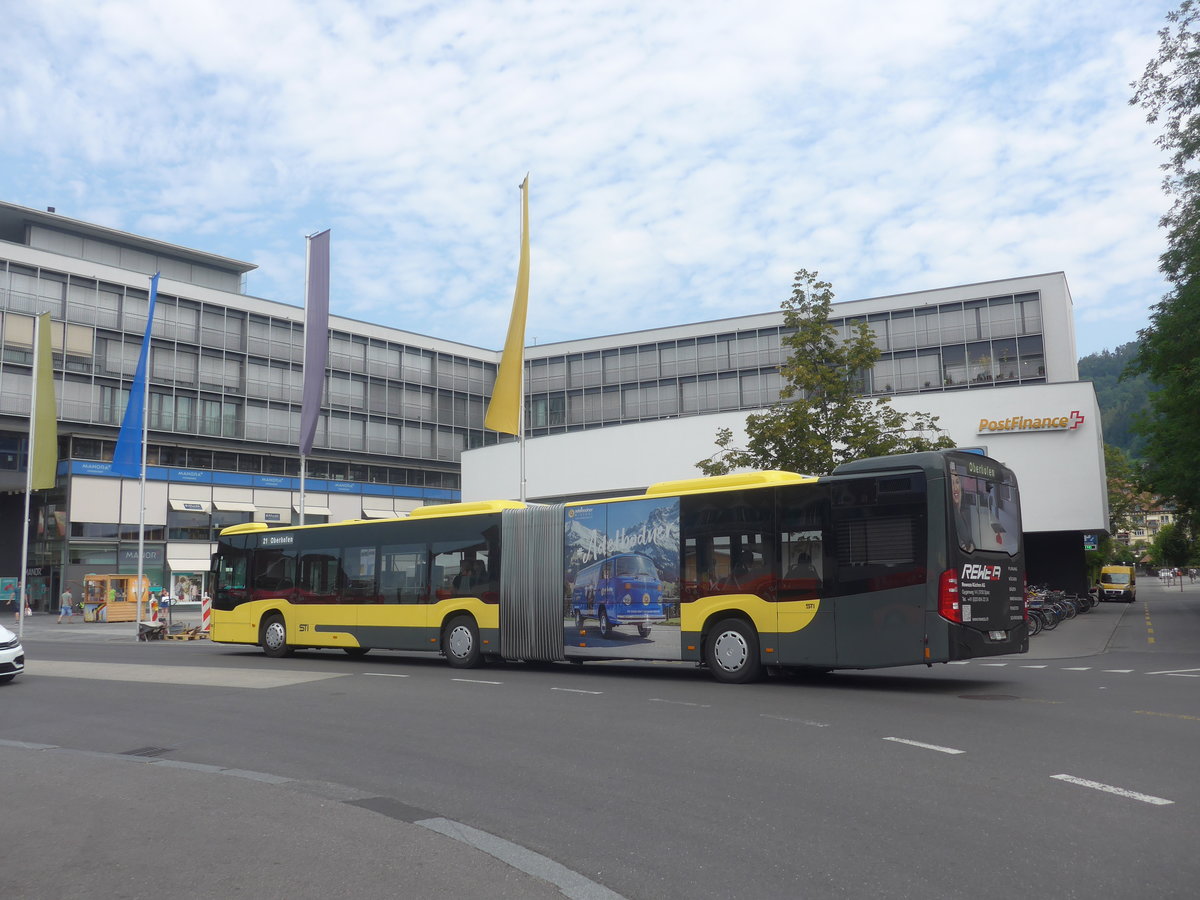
[621, 565]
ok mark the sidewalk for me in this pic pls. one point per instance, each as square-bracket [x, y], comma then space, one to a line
[45, 626]
[1090, 633]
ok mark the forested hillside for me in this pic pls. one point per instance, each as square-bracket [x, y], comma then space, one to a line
[1120, 399]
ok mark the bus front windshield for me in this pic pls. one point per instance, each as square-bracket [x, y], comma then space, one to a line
[985, 507]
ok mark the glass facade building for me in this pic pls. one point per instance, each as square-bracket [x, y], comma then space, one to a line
[225, 376]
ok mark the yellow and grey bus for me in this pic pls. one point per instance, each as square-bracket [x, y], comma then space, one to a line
[891, 561]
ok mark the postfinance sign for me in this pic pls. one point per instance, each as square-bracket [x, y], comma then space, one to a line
[1025, 423]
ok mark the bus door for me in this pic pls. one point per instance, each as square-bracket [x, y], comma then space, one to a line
[879, 548]
[399, 616]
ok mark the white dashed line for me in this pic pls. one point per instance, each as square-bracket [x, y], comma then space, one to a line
[1077, 668]
[575, 691]
[1109, 789]
[797, 721]
[475, 681]
[385, 674]
[1033, 667]
[1122, 671]
[679, 702]
[924, 746]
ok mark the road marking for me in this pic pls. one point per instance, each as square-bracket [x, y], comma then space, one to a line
[1173, 672]
[1109, 789]
[1122, 671]
[797, 721]
[1146, 712]
[679, 702]
[570, 882]
[1033, 667]
[959, 662]
[475, 681]
[1077, 668]
[924, 746]
[575, 691]
[385, 674]
[996, 665]
[200, 676]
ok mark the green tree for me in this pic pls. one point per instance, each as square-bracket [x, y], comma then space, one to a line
[1171, 546]
[1169, 350]
[1123, 491]
[822, 418]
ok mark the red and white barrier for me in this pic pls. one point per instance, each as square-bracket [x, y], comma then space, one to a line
[205, 613]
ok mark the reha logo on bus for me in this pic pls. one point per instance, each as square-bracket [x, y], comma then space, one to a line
[622, 590]
[980, 572]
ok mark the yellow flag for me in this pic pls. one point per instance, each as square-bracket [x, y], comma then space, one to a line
[504, 412]
[43, 430]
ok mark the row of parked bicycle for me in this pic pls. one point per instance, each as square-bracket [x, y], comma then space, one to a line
[1047, 608]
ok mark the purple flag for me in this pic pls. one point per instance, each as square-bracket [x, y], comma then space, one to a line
[127, 457]
[316, 337]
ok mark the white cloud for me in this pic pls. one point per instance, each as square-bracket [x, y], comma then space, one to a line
[686, 157]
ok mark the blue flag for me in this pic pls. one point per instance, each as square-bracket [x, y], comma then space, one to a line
[127, 457]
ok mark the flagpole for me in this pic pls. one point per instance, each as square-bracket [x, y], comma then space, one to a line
[142, 473]
[304, 363]
[31, 449]
[506, 411]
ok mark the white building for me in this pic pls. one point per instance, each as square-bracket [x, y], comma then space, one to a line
[605, 415]
[994, 361]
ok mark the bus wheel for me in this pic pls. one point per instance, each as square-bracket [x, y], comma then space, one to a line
[644, 630]
[460, 643]
[274, 638]
[731, 652]
[606, 627]
[357, 652]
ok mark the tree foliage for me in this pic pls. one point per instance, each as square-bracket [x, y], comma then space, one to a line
[1124, 495]
[822, 418]
[1169, 351]
[1121, 395]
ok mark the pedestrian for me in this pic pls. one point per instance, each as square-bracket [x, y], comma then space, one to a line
[11, 603]
[66, 607]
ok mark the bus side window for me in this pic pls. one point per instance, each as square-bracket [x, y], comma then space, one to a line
[403, 573]
[359, 566]
[274, 575]
[321, 576]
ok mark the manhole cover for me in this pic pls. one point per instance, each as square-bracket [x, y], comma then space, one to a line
[986, 697]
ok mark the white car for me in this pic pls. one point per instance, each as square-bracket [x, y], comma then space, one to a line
[12, 657]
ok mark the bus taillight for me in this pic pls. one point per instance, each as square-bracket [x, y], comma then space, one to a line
[948, 600]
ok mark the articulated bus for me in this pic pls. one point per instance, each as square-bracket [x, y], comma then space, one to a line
[892, 561]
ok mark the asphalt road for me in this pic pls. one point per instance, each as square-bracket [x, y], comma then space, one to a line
[190, 769]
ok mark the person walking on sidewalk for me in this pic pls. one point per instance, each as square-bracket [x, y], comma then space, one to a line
[66, 607]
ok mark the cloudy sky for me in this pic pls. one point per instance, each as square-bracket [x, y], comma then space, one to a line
[686, 156]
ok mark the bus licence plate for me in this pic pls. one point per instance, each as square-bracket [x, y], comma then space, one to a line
[998, 635]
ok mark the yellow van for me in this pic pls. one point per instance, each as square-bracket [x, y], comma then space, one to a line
[1118, 583]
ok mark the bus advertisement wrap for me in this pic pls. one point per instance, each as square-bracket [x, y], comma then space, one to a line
[621, 561]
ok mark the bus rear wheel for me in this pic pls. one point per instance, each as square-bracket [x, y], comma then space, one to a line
[460, 643]
[274, 638]
[731, 652]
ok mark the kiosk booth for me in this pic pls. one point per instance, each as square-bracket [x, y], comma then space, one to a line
[113, 598]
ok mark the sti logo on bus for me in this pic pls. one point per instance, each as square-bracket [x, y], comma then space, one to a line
[980, 572]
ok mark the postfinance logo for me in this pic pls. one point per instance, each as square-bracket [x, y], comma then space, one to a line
[1026, 423]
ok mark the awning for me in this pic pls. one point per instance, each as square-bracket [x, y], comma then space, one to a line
[313, 510]
[196, 506]
[379, 513]
[233, 505]
[188, 565]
